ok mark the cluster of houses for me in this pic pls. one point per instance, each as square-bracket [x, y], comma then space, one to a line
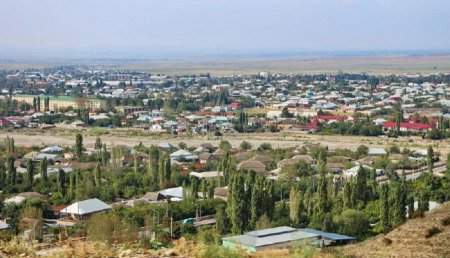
[269, 94]
[199, 157]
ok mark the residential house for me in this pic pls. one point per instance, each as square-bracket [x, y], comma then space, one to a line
[252, 165]
[86, 208]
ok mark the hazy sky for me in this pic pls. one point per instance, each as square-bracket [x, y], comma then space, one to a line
[224, 26]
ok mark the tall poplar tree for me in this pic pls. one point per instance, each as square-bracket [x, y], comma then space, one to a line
[236, 207]
[43, 169]
[293, 198]
[424, 201]
[361, 186]
[78, 146]
[11, 170]
[257, 201]
[167, 170]
[62, 182]
[430, 161]
[153, 165]
[397, 203]
[384, 208]
[104, 156]
[30, 172]
[97, 175]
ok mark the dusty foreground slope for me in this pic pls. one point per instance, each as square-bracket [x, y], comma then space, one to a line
[409, 240]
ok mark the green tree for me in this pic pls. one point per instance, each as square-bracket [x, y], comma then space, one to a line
[135, 161]
[294, 200]
[285, 113]
[361, 186]
[10, 147]
[39, 104]
[245, 146]
[30, 171]
[347, 195]
[225, 146]
[78, 146]
[104, 156]
[384, 208]
[448, 163]
[11, 170]
[162, 171]
[424, 200]
[430, 161]
[32, 220]
[62, 182]
[46, 104]
[97, 175]
[236, 207]
[153, 165]
[167, 170]
[195, 185]
[224, 166]
[353, 223]
[34, 104]
[257, 201]
[43, 169]
[221, 220]
[410, 206]
[269, 206]
[397, 203]
[98, 143]
[398, 120]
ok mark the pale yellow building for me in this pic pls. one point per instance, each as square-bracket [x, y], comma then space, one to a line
[63, 102]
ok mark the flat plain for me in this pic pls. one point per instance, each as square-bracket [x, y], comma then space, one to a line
[385, 65]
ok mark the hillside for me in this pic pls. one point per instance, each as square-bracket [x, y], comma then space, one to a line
[409, 240]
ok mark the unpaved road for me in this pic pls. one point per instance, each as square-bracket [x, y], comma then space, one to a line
[277, 140]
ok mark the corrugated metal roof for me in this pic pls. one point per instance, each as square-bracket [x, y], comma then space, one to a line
[283, 234]
[86, 207]
[173, 192]
[271, 231]
[327, 235]
[254, 241]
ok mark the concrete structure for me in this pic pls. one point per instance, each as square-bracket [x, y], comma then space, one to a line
[62, 102]
[127, 110]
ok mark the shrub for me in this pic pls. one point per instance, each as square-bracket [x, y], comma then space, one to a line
[352, 222]
[432, 231]
[108, 228]
[386, 241]
[445, 221]
[217, 251]
[417, 214]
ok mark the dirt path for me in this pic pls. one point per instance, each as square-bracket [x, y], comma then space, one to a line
[277, 140]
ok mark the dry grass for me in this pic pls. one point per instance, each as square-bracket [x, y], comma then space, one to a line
[277, 140]
[409, 240]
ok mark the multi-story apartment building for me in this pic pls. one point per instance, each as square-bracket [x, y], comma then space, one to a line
[62, 102]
